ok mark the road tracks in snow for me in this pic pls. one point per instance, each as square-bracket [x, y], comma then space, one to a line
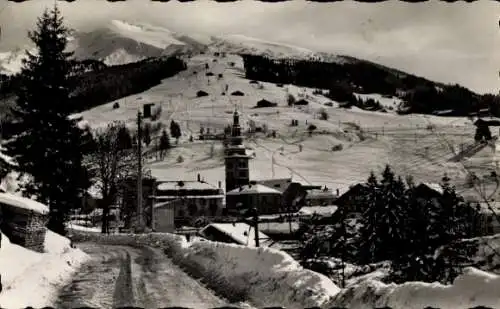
[120, 276]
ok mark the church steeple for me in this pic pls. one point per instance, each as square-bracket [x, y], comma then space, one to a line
[236, 138]
[236, 160]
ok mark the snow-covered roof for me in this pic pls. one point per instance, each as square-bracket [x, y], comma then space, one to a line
[253, 189]
[22, 202]
[160, 197]
[241, 233]
[319, 194]
[5, 158]
[320, 210]
[433, 186]
[188, 185]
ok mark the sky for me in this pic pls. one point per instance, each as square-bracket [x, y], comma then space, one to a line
[446, 42]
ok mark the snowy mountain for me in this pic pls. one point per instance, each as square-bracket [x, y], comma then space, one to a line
[121, 42]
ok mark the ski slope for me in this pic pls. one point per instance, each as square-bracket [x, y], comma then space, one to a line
[369, 139]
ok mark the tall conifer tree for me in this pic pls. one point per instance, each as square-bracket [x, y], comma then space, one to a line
[47, 144]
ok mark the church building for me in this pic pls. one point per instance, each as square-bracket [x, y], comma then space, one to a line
[236, 159]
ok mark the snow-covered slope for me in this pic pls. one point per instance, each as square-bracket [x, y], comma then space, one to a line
[121, 42]
[32, 279]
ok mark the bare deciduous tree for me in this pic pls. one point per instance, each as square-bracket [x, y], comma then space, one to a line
[108, 164]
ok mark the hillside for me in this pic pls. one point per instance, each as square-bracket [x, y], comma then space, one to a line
[346, 144]
[420, 145]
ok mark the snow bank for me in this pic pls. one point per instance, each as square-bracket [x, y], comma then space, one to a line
[22, 202]
[473, 288]
[262, 276]
[32, 279]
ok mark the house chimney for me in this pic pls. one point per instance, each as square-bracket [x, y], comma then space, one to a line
[220, 184]
[199, 177]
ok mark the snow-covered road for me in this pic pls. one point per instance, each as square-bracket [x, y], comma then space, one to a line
[119, 276]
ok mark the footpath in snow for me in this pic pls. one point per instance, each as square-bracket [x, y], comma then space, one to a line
[32, 279]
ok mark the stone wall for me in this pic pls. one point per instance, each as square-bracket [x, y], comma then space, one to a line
[24, 227]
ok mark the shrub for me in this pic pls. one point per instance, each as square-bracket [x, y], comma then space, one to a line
[116, 105]
[290, 99]
[337, 147]
[180, 159]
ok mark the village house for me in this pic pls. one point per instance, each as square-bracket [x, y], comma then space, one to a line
[23, 221]
[193, 198]
[235, 233]
[266, 200]
[320, 197]
[352, 199]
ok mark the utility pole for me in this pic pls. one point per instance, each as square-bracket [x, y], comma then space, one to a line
[139, 172]
[256, 226]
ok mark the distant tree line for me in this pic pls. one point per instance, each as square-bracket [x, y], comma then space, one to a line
[102, 86]
[95, 84]
[344, 78]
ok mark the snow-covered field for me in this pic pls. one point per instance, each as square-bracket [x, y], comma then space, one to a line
[32, 279]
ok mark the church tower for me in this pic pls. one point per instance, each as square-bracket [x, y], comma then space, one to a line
[236, 159]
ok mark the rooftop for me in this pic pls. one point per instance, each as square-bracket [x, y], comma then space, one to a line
[253, 189]
[241, 233]
[320, 210]
[433, 186]
[186, 185]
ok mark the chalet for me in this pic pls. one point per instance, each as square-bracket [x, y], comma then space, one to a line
[23, 221]
[237, 93]
[322, 211]
[235, 233]
[194, 198]
[201, 93]
[320, 197]
[265, 103]
[280, 184]
[353, 198]
[266, 200]
[428, 191]
[301, 102]
[293, 193]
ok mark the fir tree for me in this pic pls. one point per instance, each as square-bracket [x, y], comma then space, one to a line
[385, 219]
[164, 143]
[175, 130]
[124, 138]
[47, 144]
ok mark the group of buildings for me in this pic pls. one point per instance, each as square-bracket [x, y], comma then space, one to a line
[171, 204]
[181, 202]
